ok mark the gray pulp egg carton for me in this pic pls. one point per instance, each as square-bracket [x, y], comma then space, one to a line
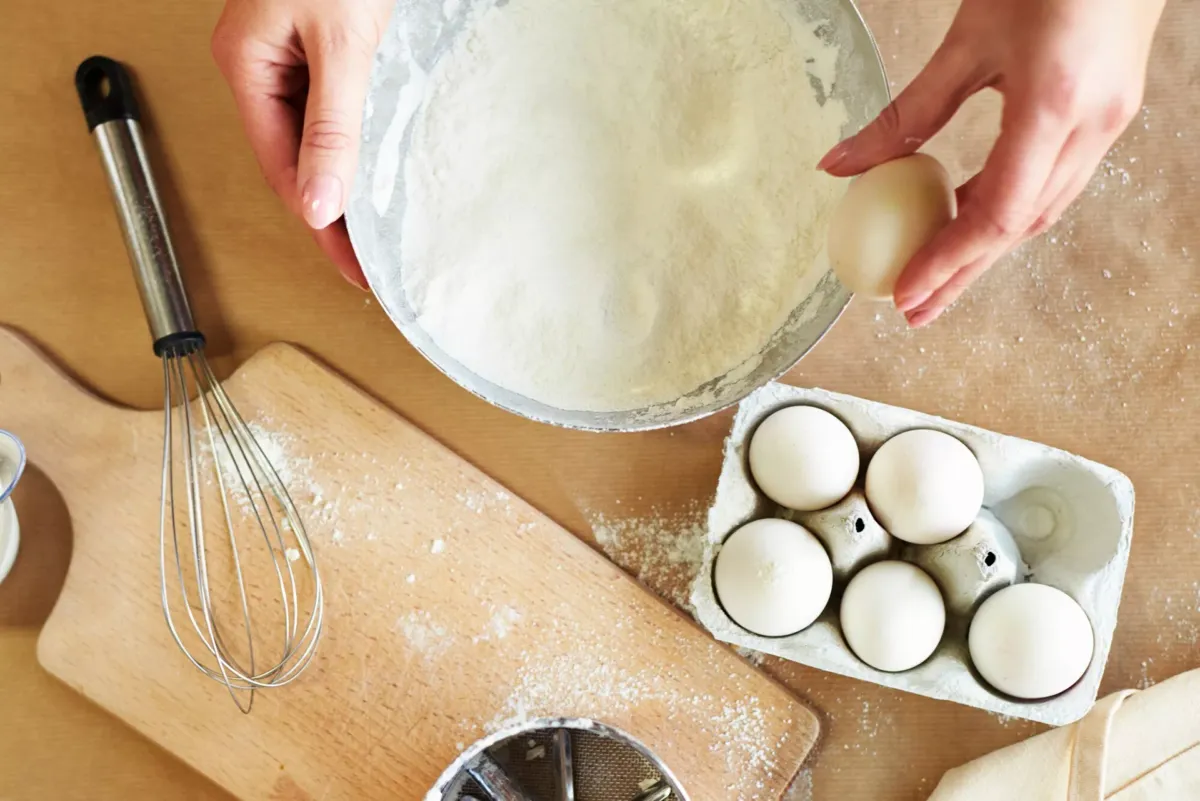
[1071, 520]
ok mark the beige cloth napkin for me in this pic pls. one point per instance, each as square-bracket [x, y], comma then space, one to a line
[1132, 746]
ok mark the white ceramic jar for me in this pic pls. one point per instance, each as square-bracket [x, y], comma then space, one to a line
[12, 464]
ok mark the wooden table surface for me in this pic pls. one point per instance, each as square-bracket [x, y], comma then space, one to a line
[1084, 340]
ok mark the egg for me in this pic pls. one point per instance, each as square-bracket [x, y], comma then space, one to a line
[1031, 641]
[924, 486]
[892, 616]
[772, 577]
[887, 214]
[804, 458]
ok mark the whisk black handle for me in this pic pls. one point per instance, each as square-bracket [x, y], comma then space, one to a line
[106, 91]
[110, 105]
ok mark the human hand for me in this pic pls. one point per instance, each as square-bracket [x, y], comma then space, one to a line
[1072, 74]
[299, 70]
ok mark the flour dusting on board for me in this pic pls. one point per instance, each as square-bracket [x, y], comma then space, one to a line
[802, 787]
[295, 472]
[425, 635]
[236, 473]
[747, 732]
[479, 501]
[503, 619]
[663, 550]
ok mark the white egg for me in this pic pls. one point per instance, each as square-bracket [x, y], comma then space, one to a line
[1031, 641]
[773, 577]
[804, 458]
[924, 486]
[887, 214]
[892, 616]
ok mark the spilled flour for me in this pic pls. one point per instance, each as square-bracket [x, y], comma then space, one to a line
[424, 634]
[503, 620]
[235, 464]
[320, 509]
[663, 550]
[747, 733]
[543, 659]
[602, 212]
[802, 787]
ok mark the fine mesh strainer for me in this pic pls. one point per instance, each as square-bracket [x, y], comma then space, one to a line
[558, 759]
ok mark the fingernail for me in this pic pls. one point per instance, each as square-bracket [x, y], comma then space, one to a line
[909, 302]
[835, 156]
[356, 280]
[922, 317]
[322, 199]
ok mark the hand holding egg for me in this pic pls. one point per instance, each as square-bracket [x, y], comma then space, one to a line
[886, 216]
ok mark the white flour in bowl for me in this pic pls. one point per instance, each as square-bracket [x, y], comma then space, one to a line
[611, 203]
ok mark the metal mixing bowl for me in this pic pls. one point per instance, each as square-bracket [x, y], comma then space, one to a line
[425, 33]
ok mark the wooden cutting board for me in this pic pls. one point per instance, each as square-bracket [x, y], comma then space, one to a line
[426, 647]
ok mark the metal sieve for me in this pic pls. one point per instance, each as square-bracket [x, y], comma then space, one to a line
[558, 759]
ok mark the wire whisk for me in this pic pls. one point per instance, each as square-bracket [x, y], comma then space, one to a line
[257, 519]
[239, 583]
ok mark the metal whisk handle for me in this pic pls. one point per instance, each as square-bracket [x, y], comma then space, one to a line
[106, 91]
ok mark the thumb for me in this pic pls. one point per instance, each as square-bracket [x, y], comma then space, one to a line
[339, 64]
[919, 112]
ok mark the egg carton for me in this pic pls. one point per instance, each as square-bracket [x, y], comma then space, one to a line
[1070, 518]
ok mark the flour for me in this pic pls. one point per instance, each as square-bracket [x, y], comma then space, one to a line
[663, 550]
[503, 619]
[425, 635]
[239, 465]
[609, 205]
[801, 788]
[747, 733]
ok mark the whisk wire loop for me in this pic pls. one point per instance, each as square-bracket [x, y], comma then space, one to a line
[208, 441]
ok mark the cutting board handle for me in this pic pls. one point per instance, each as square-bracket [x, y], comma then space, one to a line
[38, 401]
